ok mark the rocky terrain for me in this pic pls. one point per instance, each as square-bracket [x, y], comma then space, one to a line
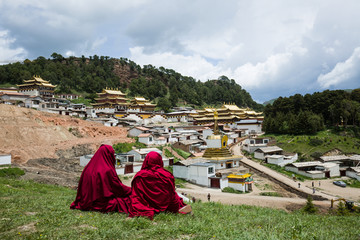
[48, 145]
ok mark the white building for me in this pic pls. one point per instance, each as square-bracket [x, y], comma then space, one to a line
[140, 154]
[5, 159]
[262, 153]
[314, 169]
[353, 172]
[136, 131]
[211, 169]
[281, 160]
[251, 126]
[251, 144]
[146, 138]
[240, 182]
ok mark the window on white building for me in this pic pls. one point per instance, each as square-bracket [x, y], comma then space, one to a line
[210, 170]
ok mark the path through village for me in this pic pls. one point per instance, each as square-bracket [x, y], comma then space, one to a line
[326, 191]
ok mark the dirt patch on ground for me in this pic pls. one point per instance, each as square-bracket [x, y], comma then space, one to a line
[263, 184]
[31, 134]
[48, 146]
[28, 227]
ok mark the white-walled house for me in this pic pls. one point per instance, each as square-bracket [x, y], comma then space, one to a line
[196, 171]
[261, 153]
[199, 173]
[314, 169]
[5, 159]
[251, 144]
[232, 136]
[281, 160]
[252, 126]
[161, 140]
[140, 154]
[136, 131]
[146, 138]
[353, 172]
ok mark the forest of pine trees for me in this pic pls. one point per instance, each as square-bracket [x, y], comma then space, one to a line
[163, 86]
[313, 112]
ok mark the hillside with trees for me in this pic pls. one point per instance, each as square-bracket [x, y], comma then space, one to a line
[313, 112]
[90, 75]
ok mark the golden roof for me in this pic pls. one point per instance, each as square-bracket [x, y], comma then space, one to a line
[140, 99]
[111, 91]
[36, 81]
[217, 153]
[118, 98]
[231, 107]
[242, 176]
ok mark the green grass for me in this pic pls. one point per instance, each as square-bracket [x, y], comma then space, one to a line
[232, 190]
[31, 210]
[11, 172]
[352, 183]
[270, 194]
[182, 153]
[83, 100]
[321, 142]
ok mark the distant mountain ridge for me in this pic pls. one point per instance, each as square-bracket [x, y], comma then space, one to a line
[164, 86]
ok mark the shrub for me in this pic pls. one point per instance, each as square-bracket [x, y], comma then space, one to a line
[342, 210]
[309, 207]
[315, 142]
[316, 154]
[11, 172]
[168, 154]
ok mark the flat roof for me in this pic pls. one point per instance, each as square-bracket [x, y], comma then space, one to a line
[203, 164]
[307, 164]
[269, 149]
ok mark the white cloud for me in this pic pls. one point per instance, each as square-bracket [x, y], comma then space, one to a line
[348, 70]
[7, 53]
[271, 48]
[194, 65]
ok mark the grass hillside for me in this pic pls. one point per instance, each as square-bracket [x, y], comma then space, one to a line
[315, 145]
[37, 211]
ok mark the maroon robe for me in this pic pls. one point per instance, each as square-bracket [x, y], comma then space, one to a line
[100, 188]
[153, 189]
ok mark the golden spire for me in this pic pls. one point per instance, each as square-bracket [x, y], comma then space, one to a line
[216, 127]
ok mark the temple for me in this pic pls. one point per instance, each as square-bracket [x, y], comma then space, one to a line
[227, 114]
[216, 164]
[111, 98]
[37, 87]
[140, 104]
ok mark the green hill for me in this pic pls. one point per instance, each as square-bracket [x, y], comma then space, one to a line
[37, 211]
[91, 75]
[313, 146]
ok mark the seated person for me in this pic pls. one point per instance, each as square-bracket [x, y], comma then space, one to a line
[153, 190]
[100, 188]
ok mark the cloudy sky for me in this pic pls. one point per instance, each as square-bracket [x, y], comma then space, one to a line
[271, 48]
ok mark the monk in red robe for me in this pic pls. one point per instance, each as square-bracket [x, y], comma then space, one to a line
[100, 188]
[153, 190]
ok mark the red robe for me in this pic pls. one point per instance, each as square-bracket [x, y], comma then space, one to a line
[100, 188]
[153, 189]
